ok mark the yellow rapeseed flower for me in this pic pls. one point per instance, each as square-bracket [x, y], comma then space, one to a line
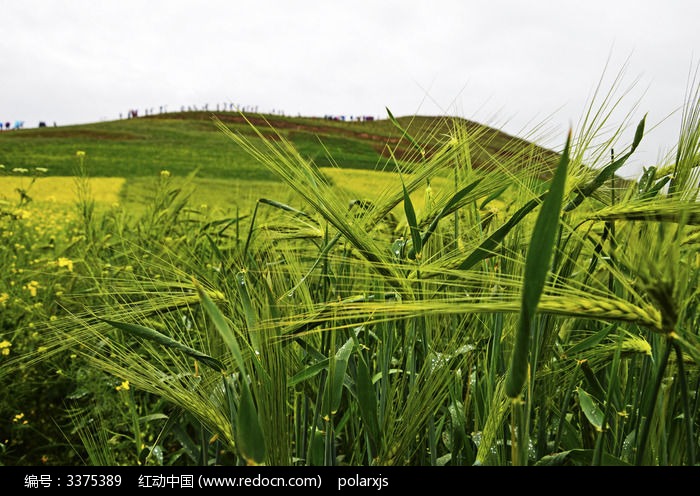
[66, 262]
[18, 417]
[4, 297]
[80, 153]
[5, 347]
[32, 286]
[165, 173]
[124, 386]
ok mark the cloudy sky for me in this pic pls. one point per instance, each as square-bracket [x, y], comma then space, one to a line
[518, 65]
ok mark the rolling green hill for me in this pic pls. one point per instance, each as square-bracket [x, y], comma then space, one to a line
[181, 142]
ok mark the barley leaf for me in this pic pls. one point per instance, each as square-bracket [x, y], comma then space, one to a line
[163, 340]
[367, 401]
[638, 134]
[537, 267]
[590, 341]
[308, 372]
[412, 222]
[285, 207]
[493, 196]
[250, 315]
[338, 367]
[658, 186]
[607, 172]
[590, 409]
[222, 326]
[405, 133]
[249, 434]
[487, 247]
[578, 457]
[448, 208]
[324, 252]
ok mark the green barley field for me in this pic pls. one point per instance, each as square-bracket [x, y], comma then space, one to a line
[201, 289]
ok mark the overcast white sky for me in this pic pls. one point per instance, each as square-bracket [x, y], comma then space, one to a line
[511, 64]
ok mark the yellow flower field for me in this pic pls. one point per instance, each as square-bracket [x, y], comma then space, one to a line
[59, 190]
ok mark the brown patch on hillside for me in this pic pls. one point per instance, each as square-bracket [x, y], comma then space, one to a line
[322, 127]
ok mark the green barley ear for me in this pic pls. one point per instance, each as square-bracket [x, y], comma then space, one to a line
[537, 265]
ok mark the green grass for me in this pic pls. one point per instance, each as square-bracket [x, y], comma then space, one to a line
[130, 148]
